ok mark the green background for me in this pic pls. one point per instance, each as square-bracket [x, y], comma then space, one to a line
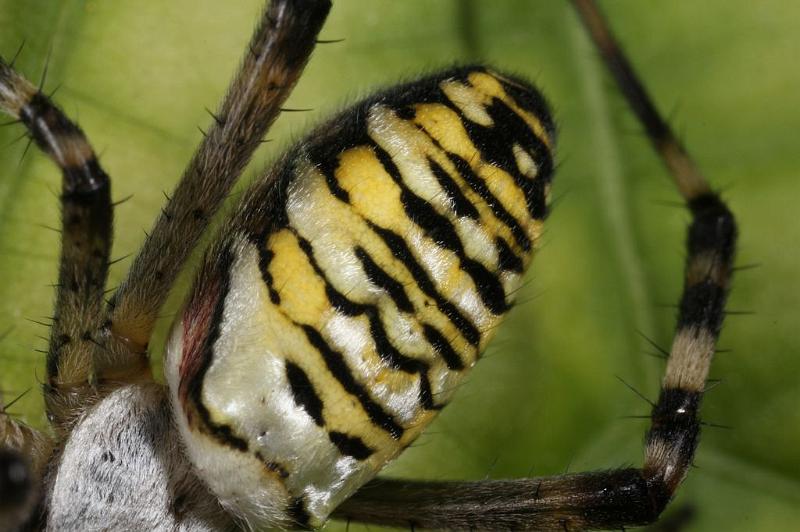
[138, 75]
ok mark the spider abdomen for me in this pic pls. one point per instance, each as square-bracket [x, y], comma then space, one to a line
[355, 286]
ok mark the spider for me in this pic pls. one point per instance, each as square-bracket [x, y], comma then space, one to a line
[341, 303]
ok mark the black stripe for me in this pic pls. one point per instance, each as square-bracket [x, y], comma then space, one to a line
[489, 287]
[305, 396]
[273, 466]
[425, 393]
[713, 228]
[401, 252]
[702, 306]
[509, 261]
[383, 346]
[350, 446]
[530, 100]
[443, 347]
[327, 164]
[495, 145]
[341, 303]
[279, 469]
[388, 352]
[441, 231]
[265, 211]
[712, 231]
[383, 280]
[462, 207]
[222, 433]
[676, 409]
[338, 367]
[397, 360]
[419, 211]
[434, 225]
[502, 141]
[297, 512]
[536, 196]
[265, 256]
[477, 184]
[674, 427]
[406, 112]
[336, 298]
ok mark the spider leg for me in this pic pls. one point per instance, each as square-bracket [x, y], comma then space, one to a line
[18, 437]
[23, 458]
[86, 217]
[615, 498]
[711, 238]
[277, 54]
[17, 491]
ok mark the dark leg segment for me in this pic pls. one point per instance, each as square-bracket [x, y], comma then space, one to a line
[711, 242]
[86, 215]
[617, 498]
[16, 489]
[687, 176]
[17, 437]
[277, 54]
[609, 499]
[23, 456]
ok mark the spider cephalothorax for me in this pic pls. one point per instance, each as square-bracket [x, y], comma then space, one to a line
[344, 299]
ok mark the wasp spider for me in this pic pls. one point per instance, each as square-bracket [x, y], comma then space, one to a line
[338, 308]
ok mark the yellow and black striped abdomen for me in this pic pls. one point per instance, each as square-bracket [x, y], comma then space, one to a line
[360, 281]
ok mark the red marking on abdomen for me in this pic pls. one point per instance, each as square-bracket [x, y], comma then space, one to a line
[200, 321]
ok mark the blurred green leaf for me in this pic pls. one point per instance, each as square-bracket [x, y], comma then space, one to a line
[138, 76]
